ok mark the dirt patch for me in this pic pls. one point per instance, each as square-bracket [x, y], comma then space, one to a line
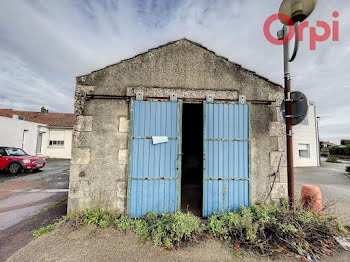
[89, 243]
[19, 235]
[9, 187]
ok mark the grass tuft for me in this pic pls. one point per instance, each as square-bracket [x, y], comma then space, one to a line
[43, 231]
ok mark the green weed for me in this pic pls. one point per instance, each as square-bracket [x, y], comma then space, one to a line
[43, 231]
[267, 229]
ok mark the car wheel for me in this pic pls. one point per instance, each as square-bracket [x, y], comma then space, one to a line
[14, 168]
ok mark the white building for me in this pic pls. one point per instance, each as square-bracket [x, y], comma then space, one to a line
[306, 146]
[38, 133]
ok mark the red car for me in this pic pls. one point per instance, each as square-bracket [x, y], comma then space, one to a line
[14, 160]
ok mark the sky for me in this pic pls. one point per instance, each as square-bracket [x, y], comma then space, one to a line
[45, 44]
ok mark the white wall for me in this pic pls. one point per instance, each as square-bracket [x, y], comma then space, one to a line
[12, 130]
[307, 134]
[58, 151]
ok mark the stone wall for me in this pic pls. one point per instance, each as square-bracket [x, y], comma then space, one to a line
[99, 164]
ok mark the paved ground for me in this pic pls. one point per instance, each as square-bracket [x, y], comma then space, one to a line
[91, 244]
[26, 195]
[335, 186]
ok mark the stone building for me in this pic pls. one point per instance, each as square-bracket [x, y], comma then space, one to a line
[176, 127]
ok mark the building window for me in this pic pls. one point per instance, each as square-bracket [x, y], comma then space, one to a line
[56, 143]
[304, 150]
[56, 138]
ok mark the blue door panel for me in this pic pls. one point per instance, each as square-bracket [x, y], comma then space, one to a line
[153, 161]
[152, 195]
[226, 154]
[153, 175]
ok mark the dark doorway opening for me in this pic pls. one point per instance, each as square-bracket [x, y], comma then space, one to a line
[192, 158]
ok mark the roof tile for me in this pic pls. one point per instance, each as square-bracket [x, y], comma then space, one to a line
[51, 119]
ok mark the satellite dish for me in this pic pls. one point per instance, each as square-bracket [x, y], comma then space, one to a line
[300, 108]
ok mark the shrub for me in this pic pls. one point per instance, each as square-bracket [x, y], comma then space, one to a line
[272, 229]
[344, 151]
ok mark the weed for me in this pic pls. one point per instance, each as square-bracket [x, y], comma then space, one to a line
[61, 202]
[96, 217]
[333, 159]
[267, 229]
[264, 228]
[123, 223]
[43, 231]
[169, 230]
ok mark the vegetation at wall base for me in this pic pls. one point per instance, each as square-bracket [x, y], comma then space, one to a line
[269, 230]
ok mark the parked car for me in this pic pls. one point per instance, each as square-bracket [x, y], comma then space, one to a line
[14, 160]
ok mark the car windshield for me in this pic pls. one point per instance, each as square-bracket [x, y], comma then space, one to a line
[15, 152]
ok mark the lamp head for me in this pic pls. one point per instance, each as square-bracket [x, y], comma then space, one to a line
[297, 10]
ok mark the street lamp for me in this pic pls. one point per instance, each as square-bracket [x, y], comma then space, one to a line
[298, 11]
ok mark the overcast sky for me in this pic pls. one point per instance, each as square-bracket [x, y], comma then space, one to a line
[45, 44]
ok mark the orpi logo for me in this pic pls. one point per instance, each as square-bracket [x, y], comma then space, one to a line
[314, 37]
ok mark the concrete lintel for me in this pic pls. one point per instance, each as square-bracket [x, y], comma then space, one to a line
[183, 93]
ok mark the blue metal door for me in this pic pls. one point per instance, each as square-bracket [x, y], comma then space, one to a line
[154, 169]
[226, 157]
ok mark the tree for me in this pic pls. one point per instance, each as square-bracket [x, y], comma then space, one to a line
[345, 142]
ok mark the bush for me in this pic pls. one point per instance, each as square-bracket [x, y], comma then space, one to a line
[271, 229]
[342, 151]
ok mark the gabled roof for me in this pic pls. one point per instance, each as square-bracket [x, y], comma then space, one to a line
[50, 119]
[193, 43]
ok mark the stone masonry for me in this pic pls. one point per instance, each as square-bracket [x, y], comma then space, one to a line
[99, 165]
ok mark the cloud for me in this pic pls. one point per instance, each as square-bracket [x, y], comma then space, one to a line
[45, 44]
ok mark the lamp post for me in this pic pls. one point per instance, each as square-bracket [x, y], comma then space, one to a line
[298, 11]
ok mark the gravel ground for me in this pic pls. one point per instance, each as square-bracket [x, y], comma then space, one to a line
[89, 243]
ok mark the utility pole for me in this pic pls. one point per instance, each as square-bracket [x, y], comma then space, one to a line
[289, 114]
[297, 11]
